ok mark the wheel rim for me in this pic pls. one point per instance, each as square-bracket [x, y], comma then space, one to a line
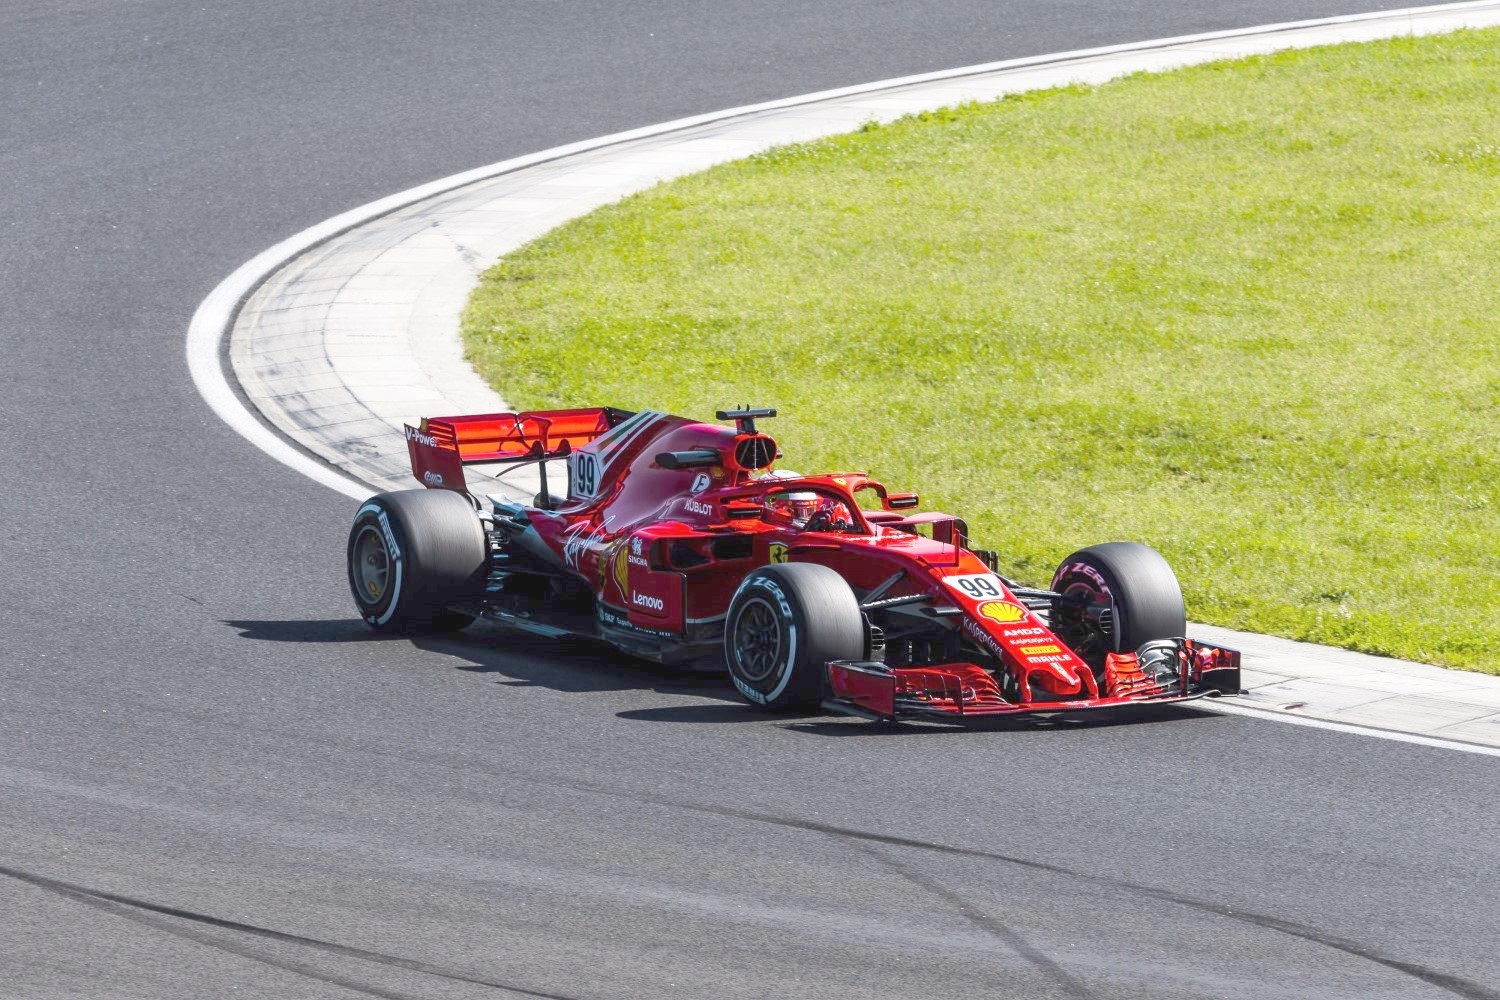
[1093, 593]
[757, 641]
[371, 564]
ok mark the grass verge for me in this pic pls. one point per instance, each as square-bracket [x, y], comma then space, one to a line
[1248, 313]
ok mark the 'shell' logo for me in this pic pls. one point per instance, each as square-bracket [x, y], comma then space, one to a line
[1003, 612]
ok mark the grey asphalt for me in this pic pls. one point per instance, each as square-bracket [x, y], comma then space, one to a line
[215, 782]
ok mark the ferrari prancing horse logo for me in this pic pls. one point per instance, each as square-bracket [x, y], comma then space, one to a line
[778, 552]
[622, 567]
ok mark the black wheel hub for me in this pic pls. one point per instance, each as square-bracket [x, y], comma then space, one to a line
[757, 641]
[371, 564]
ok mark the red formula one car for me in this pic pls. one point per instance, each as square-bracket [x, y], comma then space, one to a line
[675, 540]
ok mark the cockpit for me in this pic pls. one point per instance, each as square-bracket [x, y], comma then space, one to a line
[810, 508]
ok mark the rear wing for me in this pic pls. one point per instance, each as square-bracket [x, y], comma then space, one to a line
[441, 446]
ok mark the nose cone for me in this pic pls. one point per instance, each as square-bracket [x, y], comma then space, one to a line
[1055, 679]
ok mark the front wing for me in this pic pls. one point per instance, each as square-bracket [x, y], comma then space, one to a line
[965, 692]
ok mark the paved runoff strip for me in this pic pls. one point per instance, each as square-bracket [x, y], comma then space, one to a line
[340, 335]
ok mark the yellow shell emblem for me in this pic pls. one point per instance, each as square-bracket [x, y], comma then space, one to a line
[1003, 612]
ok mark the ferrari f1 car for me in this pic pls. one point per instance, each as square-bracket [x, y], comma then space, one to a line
[676, 540]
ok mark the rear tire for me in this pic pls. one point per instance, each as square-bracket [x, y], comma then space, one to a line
[412, 553]
[785, 623]
[1137, 581]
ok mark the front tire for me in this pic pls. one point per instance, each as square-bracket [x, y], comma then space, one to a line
[410, 554]
[1139, 587]
[785, 623]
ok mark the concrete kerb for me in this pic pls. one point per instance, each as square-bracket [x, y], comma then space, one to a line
[343, 333]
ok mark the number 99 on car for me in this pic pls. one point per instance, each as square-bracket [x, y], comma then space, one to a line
[979, 586]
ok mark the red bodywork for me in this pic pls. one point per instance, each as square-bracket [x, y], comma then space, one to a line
[662, 549]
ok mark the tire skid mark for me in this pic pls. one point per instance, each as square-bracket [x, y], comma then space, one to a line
[155, 914]
[209, 940]
[1006, 934]
[1456, 985]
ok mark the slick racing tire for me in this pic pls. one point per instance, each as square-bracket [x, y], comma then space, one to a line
[1136, 580]
[413, 552]
[785, 623]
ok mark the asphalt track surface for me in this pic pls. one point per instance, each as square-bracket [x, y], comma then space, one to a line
[215, 782]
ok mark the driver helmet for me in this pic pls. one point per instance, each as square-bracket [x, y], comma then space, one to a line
[800, 505]
[803, 506]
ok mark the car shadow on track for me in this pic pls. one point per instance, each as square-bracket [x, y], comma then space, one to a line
[577, 666]
[517, 659]
[1143, 716]
[318, 630]
[733, 710]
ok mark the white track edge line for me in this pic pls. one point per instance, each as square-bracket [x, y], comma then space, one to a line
[210, 324]
[215, 316]
[1398, 736]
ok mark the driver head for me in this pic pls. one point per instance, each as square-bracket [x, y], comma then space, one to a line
[803, 506]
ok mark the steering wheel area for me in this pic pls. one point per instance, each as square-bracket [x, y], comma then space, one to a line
[830, 519]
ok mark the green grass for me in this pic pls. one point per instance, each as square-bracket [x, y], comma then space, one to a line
[1248, 313]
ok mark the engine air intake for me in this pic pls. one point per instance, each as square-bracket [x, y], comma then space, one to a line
[754, 452]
